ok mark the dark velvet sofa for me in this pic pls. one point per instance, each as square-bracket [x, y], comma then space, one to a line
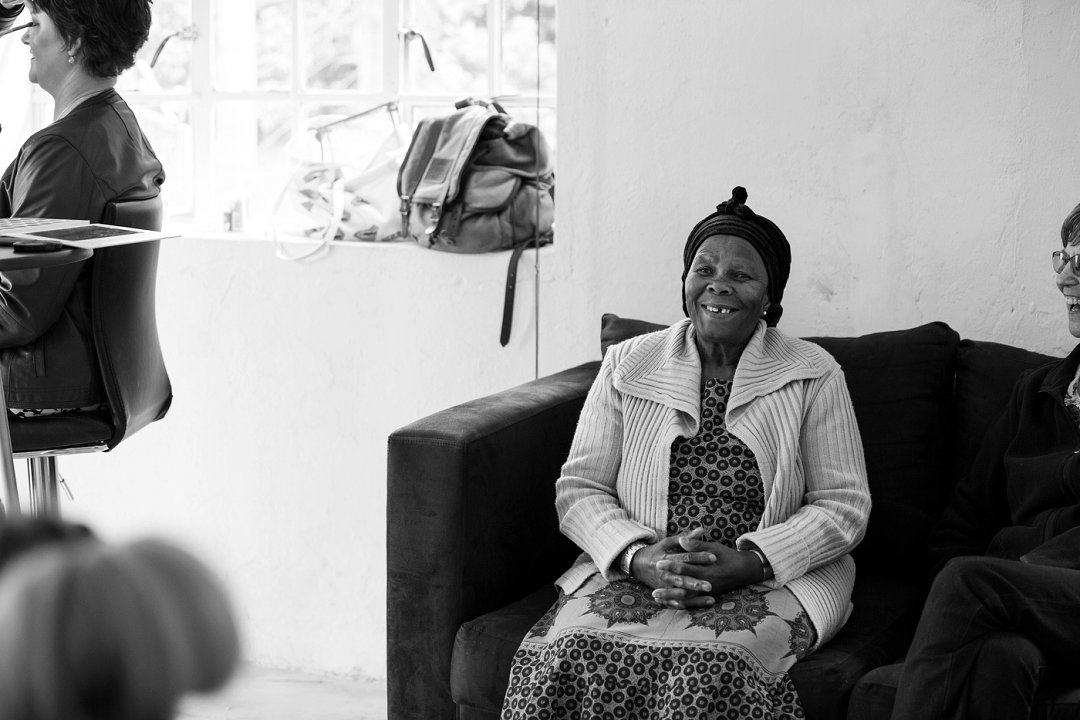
[473, 544]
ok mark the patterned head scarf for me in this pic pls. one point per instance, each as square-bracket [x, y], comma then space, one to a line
[733, 217]
[1070, 229]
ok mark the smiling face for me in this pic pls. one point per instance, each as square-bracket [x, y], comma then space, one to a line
[48, 52]
[726, 292]
[1069, 285]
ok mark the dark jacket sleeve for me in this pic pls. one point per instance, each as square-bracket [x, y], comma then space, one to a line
[979, 506]
[51, 179]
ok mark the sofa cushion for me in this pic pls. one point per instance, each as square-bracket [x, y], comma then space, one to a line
[485, 647]
[878, 630]
[875, 693]
[901, 385]
[615, 329]
[985, 375]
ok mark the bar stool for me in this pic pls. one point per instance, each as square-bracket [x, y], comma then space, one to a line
[137, 387]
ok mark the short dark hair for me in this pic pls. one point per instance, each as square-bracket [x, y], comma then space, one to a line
[1070, 229]
[112, 31]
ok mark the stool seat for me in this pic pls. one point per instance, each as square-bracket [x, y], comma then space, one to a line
[58, 433]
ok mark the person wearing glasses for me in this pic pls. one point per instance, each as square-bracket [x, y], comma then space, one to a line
[92, 153]
[1004, 607]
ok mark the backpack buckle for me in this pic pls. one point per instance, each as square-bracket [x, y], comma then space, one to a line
[405, 216]
[433, 221]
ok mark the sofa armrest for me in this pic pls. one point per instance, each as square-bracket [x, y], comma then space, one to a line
[471, 524]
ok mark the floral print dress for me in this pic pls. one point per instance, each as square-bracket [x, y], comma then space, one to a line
[608, 650]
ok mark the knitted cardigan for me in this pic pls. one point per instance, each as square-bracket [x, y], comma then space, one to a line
[789, 403]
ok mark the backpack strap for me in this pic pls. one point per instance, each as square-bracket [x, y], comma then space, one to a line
[415, 163]
[511, 284]
[508, 298]
[440, 180]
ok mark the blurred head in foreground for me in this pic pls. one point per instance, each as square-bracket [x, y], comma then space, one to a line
[99, 632]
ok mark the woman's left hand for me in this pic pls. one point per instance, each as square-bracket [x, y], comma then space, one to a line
[732, 569]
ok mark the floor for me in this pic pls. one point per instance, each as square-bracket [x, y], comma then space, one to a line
[261, 694]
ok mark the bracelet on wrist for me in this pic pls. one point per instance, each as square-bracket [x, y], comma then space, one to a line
[627, 556]
[766, 568]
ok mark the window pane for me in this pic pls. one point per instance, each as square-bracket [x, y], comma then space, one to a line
[271, 162]
[343, 44]
[528, 36]
[345, 139]
[168, 128]
[164, 62]
[457, 33]
[365, 153]
[253, 48]
[250, 163]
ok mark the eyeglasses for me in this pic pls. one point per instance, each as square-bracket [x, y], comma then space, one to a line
[1062, 258]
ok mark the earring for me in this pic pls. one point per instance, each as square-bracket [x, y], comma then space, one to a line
[71, 58]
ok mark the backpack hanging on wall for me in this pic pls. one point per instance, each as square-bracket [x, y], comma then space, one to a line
[476, 181]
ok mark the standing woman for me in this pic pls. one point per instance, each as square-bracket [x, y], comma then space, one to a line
[716, 484]
[91, 154]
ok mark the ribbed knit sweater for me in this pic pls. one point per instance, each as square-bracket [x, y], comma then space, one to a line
[789, 403]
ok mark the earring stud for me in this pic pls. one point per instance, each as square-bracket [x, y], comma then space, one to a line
[71, 58]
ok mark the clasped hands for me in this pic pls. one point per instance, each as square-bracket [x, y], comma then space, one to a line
[686, 571]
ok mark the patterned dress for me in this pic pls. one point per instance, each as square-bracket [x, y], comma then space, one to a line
[608, 650]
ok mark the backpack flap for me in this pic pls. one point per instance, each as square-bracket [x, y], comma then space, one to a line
[448, 156]
[414, 165]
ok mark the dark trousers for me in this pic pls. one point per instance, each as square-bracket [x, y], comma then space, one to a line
[989, 629]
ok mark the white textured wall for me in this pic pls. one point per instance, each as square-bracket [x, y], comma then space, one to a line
[920, 157]
[288, 379]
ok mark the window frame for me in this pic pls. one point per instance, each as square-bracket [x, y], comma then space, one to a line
[399, 57]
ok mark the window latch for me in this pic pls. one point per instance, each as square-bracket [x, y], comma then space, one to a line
[407, 34]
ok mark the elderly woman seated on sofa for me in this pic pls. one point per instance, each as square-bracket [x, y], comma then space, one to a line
[717, 485]
[1003, 609]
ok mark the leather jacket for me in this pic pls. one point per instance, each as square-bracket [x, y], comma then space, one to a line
[71, 169]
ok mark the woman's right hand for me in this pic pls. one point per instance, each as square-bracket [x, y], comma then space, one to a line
[644, 568]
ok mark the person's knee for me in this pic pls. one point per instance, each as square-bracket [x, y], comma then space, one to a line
[966, 577]
[1011, 650]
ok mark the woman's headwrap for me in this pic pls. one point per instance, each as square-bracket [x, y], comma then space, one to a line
[733, 217]
[1070, 229]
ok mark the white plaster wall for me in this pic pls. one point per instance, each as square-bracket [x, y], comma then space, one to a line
[288, 379]
[920, 157]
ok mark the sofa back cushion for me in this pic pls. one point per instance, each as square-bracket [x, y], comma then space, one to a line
[985, 375]
[615, 329]
[901, 386]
